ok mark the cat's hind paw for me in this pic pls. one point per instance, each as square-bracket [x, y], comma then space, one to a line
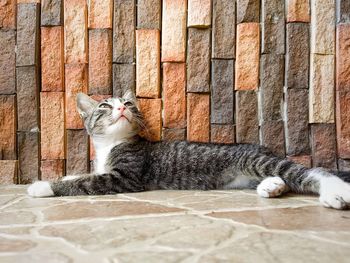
[271, 187]
[334, 193]
[40, 189]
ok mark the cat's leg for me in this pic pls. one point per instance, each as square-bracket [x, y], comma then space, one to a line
[272, 187]
[70, 177]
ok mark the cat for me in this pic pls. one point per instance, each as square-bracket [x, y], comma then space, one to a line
[127, 163]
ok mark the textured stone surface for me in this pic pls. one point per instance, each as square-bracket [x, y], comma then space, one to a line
[343, 11]
[247, 56]
[198, 122]
[248, 11]
[323, 146]
[75, 31]
[28, 156]
[222, 133]
[297, 58]
[7, 127]
[124, 31]
[123, 78]
[343, 123]
[199, 13]
[149, 14]
[52, 169]
[174, 95]
[298, 11]
[147, 63]
[321, 96]
[343, 57]
[271, 86]
[76, 81]
[8, 171]
[52, 125]
[100, 61]
[273, 28]
[224, 30]
[322, 26]
[27, 34]
[174, 30]
[152, 112]
[344, 165]
[77, 152]
[198, 60]
[247, 125]
[273, 137]
[301, 159]
[222, 76]
[7, 61]
[296, 129]
[27, 99]
[8, 14]
[174, 135]
[100, 13]
[52, 65]
[51, 12]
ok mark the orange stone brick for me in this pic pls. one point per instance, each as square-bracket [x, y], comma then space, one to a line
[100, 13]
[343, 57]
[8, 14]
[198, 110]
[7, 127]
[147, 63]
[52, 65]
[8, 171]
[52, 170]
[298, 11]
[152, 113]
[301, 159]
[222, 133]
[174, 93]
[75, 31]
[27, 1]
[247, 56]
[343, 123]
[52, 125]
[174, 31]
[199, 13]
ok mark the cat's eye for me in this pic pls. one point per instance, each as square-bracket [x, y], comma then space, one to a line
[105, 106]
[128, 104]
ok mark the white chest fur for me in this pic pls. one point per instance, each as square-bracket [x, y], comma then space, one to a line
[102, 154]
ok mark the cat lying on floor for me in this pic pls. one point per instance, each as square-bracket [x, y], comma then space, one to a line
[126, 163]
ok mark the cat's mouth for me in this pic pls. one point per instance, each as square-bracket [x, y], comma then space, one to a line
[122, 117]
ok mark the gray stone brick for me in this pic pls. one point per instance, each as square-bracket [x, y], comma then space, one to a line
[174, 134]
[344, 165]
[149, 14]
[343, 11]
[248, 11]
[273, 137]
[51, 12]
[123, 78]
[77, 152]
[7, 61]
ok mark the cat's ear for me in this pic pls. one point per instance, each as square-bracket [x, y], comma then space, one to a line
[129, 95]
[85, 105]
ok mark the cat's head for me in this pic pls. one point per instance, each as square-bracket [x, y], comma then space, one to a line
[118, 118]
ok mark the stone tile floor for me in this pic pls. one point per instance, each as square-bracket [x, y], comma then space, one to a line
[170, 226]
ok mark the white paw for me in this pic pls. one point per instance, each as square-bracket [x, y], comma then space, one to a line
[271, 187]
[70, 177]
[40, 189]
[334, 193]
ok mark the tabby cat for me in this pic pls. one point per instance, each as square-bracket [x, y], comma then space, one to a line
[126, 163]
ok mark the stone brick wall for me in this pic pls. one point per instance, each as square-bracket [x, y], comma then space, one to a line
[249, 71]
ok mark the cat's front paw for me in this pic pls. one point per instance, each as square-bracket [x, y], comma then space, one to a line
[40, 189]
[334, 193]
[271, 187]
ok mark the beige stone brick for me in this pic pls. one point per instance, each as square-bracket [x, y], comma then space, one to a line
[298, 10]
[8, 171]
[198, 122]
[152, 113]
[100, 13]
[199, 13]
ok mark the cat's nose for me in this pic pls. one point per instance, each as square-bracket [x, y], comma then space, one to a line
[121, 109]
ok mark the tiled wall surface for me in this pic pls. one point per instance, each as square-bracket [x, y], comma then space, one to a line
[272, 72]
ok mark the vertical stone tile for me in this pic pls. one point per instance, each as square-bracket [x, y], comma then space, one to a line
[100, 13]
[8, 14]
[297, 58]
[123, 79]
[224, 29]
[27, 99]
[174, 134]
[75, 31]
[174, 31]
[296, 125]
[247, 124]
[321, 96]
[52, 170]
[149, 14]
[247, 56]
[273, 28]
[222, 91]
[27, 34]
[124, 31]
[298, 11]
[248, 11]
[343, 11]
[322, 26]
[28, 156]
[8, 172]
[198, 123]
[52, 125]
[198, 60]
[76, 81]
[344, 165]
[7, 127]
[199, 13]
[273, 137]
[305, 160]
[100, 61]
[343, 57]
[174, 95]
[77, 152]
[152, 113]
[271, 86]
[147, 63]
[222, 133]
[343, 123]
[7, 61]
[323, 146]
[52, 64]
[51, 12]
